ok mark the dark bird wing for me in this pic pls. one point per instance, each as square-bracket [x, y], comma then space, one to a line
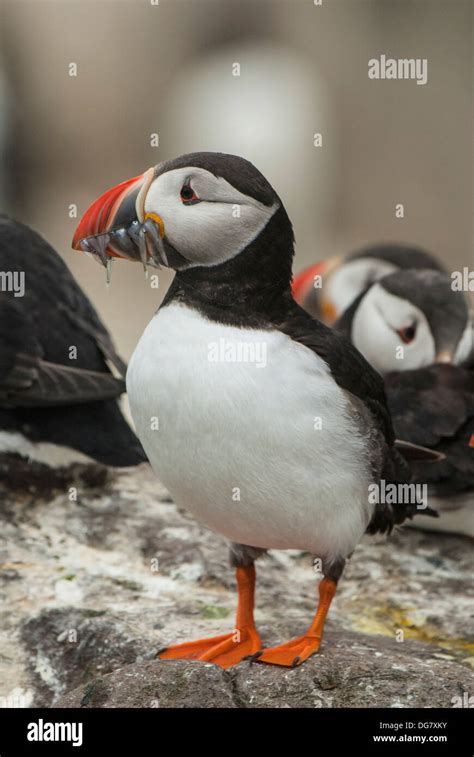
[49, 392]
[353, 373]
[348, 366]
[100, 336]
[434, 406]
[27, 380]
[38, 330]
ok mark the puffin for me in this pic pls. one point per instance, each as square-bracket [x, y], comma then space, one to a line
[417, 332]
[327, 288]
[408, 320]
[269, 427]
[60, 375]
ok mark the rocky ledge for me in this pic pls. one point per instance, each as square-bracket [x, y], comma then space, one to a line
[93, 584]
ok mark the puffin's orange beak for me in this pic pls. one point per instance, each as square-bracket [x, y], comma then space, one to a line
[303, 281]
[115, 225]
[308, 293]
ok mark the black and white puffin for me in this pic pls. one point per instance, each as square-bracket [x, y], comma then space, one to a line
[268, 426]
[417, 332]
[327, 288]
[408, 320]
[60, 375]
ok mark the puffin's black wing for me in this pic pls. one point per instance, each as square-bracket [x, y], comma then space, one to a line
[353, 373]
[60, 374]
[27, 380]
[101, 337]
[348, 366]
[55, 303]
[434, 406]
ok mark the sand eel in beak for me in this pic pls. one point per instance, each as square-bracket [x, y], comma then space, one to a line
[60, 375]
[327, 288]
[271, 427]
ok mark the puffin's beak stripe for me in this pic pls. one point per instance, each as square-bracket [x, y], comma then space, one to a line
[329, 311]
[158, 220]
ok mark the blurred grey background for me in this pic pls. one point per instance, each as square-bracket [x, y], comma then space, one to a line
[145, 68]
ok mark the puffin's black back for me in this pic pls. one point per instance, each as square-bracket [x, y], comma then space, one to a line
[44, 394]
[434, 407]
[401, 255]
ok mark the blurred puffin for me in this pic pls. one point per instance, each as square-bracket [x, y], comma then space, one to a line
[326, 289]
[60, 375]
[416, 331]
[408, 320]
[272, 427]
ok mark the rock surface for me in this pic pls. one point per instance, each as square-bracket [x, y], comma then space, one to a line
[352, 671]
[91, 587]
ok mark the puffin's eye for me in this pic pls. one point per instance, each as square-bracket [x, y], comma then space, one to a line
[188, 195]
[407, 334]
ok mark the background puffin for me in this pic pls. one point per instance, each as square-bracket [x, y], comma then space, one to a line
[339, 280]
[416, 331]
[60, 376]
[416, 310]
[279, 453]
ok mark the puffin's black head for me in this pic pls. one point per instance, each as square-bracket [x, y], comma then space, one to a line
[417, 310]
[201, 210]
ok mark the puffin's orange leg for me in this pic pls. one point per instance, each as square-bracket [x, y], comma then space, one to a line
[297, 650]
[228, 649]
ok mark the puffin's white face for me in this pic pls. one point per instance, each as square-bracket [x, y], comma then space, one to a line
[347, 281]
[205, 218]
[392, 333]
[466, 344]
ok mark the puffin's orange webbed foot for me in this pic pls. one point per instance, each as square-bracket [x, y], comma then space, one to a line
[290, 654]
[226, 650]
[230, 648]
[298, 650]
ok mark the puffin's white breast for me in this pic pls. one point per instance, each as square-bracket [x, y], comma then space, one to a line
[249, 431]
